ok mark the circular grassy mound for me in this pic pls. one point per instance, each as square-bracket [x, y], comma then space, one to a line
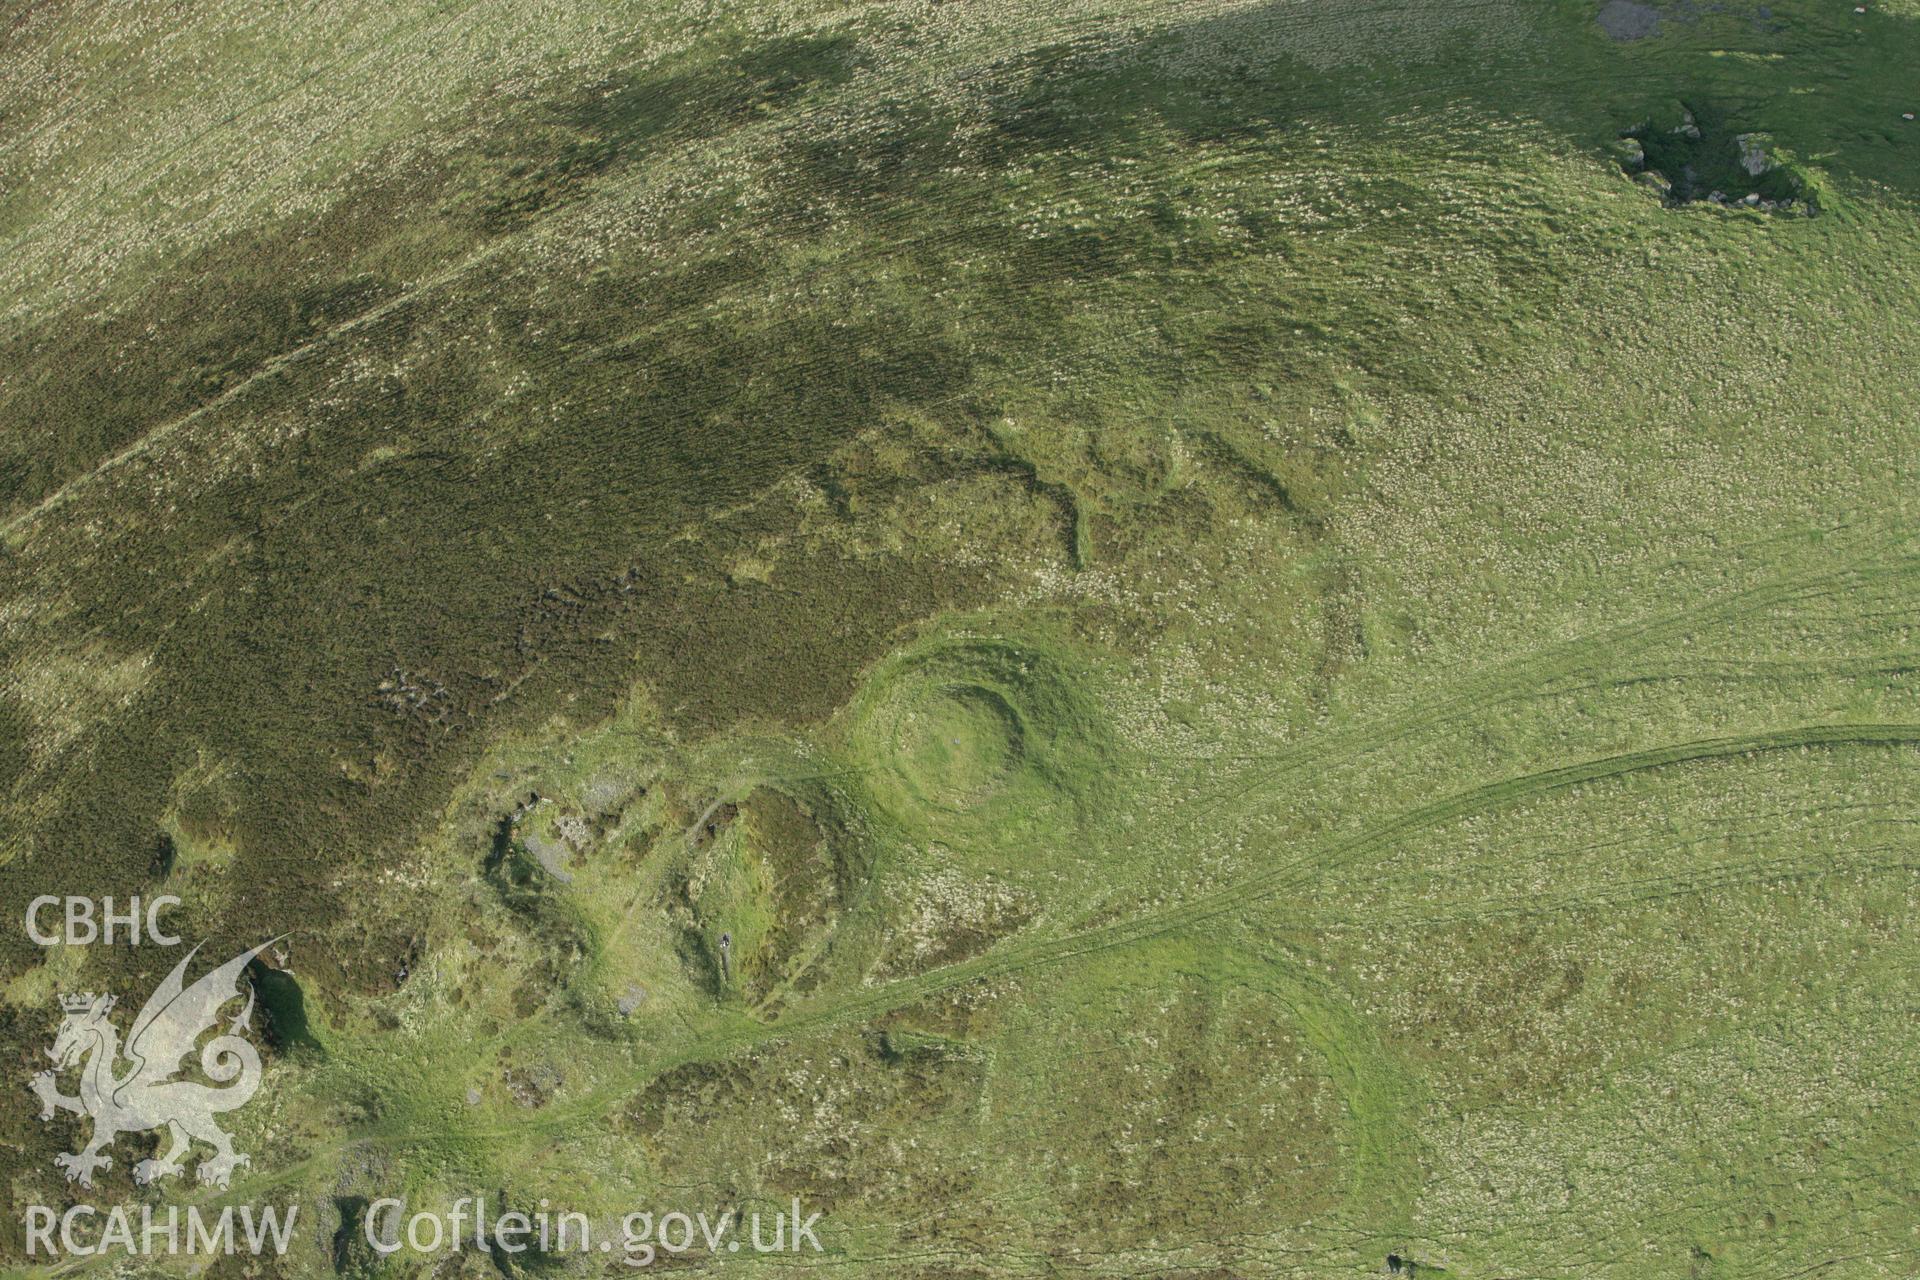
[975, 731]
[955, 745]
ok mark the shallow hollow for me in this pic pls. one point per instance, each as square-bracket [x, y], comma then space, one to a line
[957, 742]
[1695, 154]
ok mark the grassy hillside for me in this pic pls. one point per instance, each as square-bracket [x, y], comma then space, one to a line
[1271, 638]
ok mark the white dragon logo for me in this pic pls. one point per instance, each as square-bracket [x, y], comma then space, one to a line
[147, 1096]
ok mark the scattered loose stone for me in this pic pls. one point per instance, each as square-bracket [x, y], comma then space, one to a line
[1625, 20]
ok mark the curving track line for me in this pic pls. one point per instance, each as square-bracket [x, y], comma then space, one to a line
[1232, 899]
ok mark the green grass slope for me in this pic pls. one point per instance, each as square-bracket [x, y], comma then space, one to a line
[1270, 639]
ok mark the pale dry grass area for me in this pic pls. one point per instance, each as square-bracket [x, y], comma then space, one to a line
[143, 131]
